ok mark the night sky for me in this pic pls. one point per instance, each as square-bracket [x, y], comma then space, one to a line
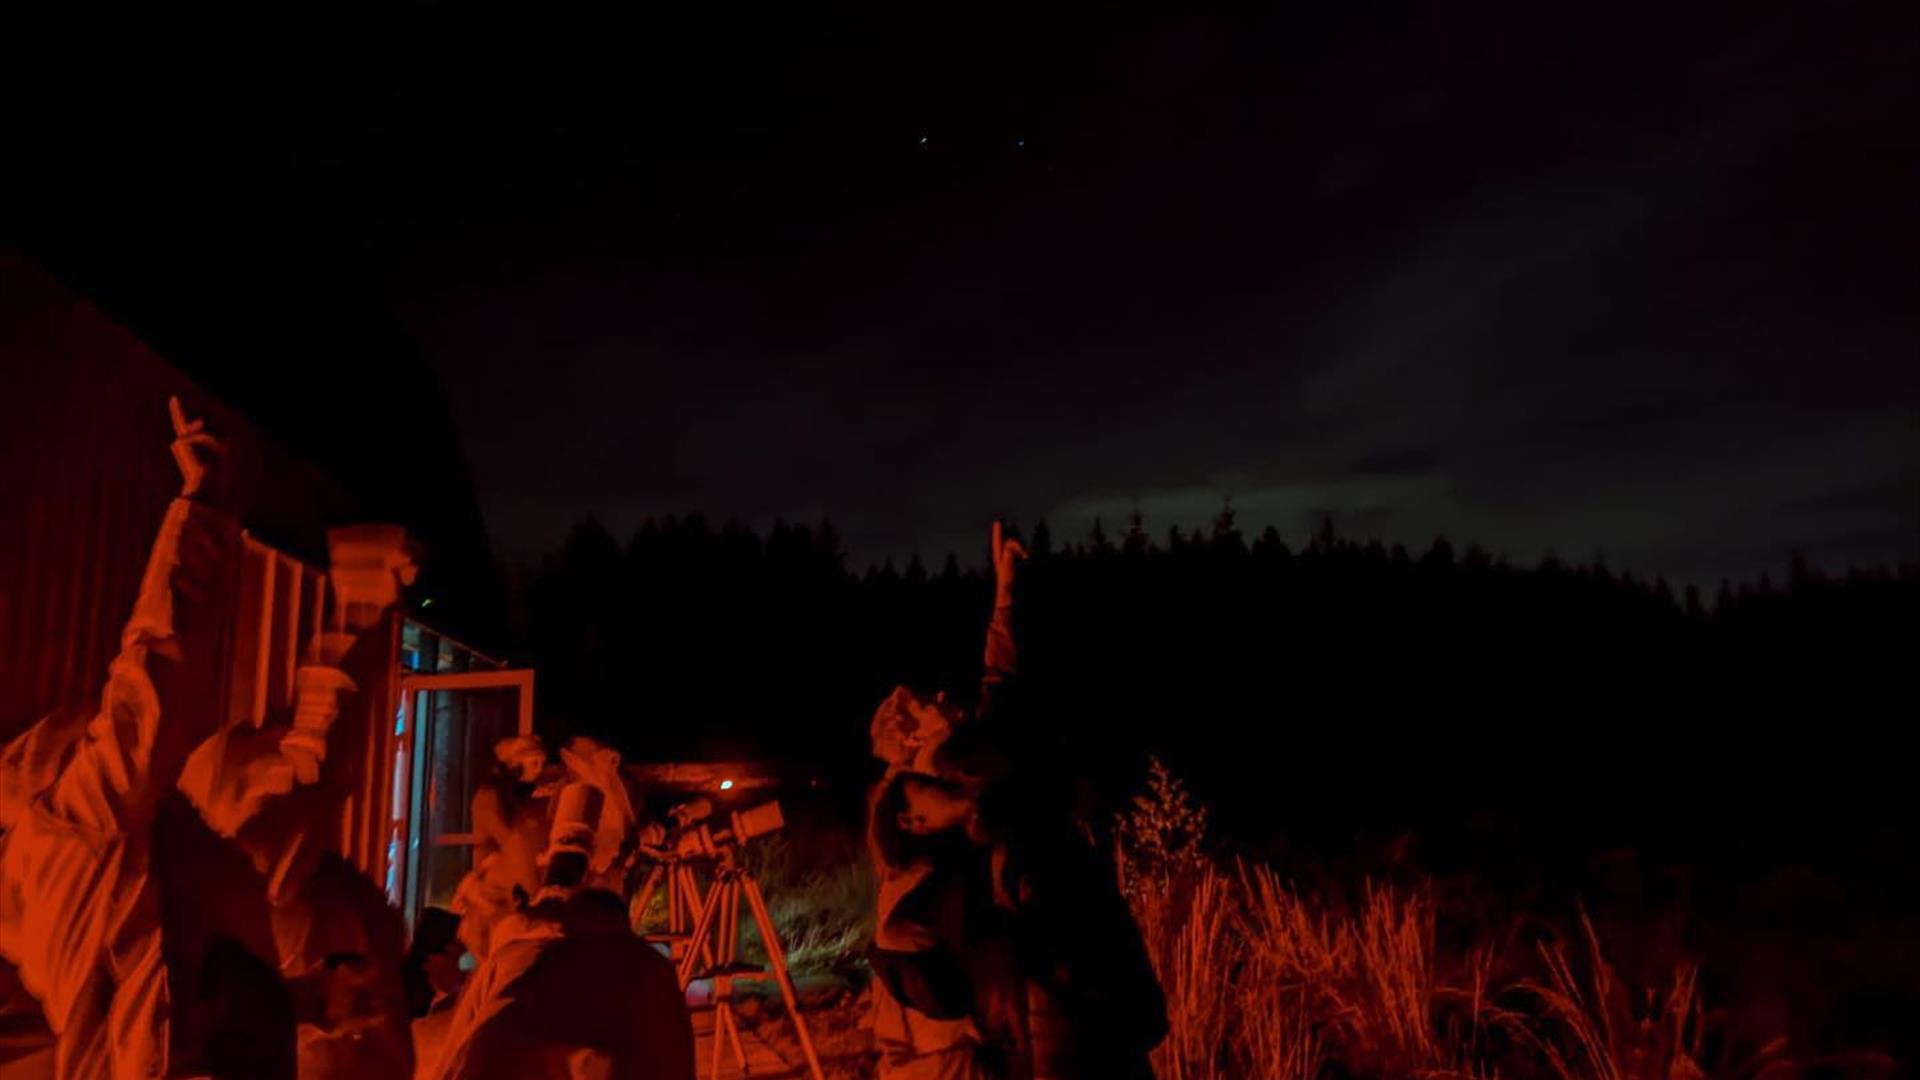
[1635, 278]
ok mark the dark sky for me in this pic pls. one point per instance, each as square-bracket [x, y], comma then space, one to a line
[1637, 278]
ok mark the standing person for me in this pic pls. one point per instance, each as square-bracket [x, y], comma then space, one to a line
[434, 981]
[325, 933]
[946, 995]
[935, 1004]
[340, 939]
[79, 910]
[432, 969]
[1084, 1002]
[510, 816]
[276, 929]
[569, 990]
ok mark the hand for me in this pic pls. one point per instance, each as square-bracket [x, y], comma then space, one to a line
[1006, 553]
[316, 705]
[190, 442]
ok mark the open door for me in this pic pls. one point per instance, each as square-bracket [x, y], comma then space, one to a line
[445, 732]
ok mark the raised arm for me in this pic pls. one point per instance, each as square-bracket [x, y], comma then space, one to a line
[161, 696]
[67, 896]
[1002, 656]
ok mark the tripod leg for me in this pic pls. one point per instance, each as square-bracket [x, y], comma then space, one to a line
[690, 902]
[777, 957]
[647, 889]
[726, 1017]
[730, 951]
[733, 1033]
[721, 894]
[676, 913]
[701, 929]
[733, 923]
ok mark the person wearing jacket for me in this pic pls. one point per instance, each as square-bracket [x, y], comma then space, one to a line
[945, 993]
[510, 814]
[260, 886]
[1006, 904]
[569, 991]
[80, 915]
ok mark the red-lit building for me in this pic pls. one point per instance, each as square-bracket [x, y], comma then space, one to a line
[87, 476]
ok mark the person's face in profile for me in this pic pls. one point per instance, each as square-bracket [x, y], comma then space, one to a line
[932, 808]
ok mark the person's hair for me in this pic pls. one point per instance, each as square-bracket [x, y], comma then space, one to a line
[884, 837]
[605, 904]
[566, 868]
[437, 929]
[514, 792]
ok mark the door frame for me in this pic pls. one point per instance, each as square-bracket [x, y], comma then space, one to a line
[411, 684]
[403, 890]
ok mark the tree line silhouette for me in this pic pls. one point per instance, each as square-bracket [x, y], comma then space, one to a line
[1260, 667]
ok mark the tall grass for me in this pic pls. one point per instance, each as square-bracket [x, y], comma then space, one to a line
[1197, 956]
[1587, 1025]
[1295, 959]
[1264, 981]
[820, 901]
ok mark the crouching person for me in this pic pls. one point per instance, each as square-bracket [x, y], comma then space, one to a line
[568, 991]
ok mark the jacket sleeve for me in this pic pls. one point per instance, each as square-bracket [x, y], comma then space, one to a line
[73, 867]
[158, 704]
[1002, 660]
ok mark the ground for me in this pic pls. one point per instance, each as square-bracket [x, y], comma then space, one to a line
[837, 1021]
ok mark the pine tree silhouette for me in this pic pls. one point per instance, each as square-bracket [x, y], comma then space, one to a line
[1136, 542]
[1097, 541]
[1226, 534]
[631, 640]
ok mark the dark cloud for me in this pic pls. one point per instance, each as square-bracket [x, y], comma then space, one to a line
[1631, 278]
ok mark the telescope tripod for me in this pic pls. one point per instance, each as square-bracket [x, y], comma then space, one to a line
[703, 934]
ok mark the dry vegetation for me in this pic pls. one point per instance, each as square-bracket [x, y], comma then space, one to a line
[1264, 980]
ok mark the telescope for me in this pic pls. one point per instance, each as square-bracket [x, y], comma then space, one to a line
[695, 836]
[703, 933]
